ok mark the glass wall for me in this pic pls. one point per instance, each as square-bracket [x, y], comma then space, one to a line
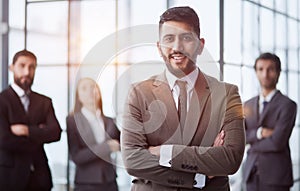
[253, 27]
[73, 38]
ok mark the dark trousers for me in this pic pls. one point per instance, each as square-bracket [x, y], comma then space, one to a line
[34, 184]
[254, 184]
[110, 186]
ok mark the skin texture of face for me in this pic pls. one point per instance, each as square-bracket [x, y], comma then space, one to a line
[267, 75]
[88, 93]
[179, 46]
[24, 70]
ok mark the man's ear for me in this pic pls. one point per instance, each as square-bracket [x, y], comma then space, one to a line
[11, 67]
[159, 48]
[201, 46]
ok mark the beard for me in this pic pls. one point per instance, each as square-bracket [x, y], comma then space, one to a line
[179, 72]
[25, 84]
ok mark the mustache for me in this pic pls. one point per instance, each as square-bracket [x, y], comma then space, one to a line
[178, 53]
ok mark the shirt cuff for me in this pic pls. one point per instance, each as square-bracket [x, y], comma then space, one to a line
[199, 180]
[258, 133]
[165, 155]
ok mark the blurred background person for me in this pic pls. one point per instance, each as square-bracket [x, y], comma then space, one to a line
[92, 137]
[27, 122]
[270, 119]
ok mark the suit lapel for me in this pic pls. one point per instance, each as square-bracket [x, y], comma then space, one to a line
[32, 99]
[84, 129]
[197, 105]
[16, 101]
[216, 108]
[268, 107]
[162, 93]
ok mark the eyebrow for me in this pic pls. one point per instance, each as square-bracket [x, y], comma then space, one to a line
[181, 34]
[187, 33]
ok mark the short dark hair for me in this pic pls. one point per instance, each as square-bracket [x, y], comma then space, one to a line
[182, 14]
[23, 53]
[269, 56]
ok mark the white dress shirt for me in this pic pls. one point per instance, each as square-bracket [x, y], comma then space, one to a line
[96, 123]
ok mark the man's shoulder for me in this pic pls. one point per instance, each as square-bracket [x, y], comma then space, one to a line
[285, 99]
[6, 93]
[148, 82]
[40, 96]
[251, 100]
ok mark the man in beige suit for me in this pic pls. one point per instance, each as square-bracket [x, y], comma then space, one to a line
[182, 137]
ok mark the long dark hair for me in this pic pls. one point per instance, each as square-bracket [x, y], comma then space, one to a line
[78, 104]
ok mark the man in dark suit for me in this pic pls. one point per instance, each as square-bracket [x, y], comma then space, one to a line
[270, 118]
[27, 121]
[182, 129]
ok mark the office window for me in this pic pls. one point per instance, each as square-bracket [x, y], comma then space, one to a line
[232, 46]
[266, 31]
[250, 28]
[208, 12]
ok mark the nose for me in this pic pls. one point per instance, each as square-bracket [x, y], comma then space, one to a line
[177, 45]
[265, 73]
[26, 71]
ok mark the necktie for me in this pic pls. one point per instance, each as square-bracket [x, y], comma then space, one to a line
[25, 101]
[265, 103]
[182, 102]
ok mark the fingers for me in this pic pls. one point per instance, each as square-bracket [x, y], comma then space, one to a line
[114, 145]
[154, 150]
[19, 130]
[266, 132]
[219, 141]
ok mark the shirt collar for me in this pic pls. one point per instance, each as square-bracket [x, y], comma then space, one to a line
[190, 79]
[90, 115]
[20, 92]
[268, 97]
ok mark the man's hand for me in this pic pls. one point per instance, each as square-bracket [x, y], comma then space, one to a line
[219, 140]
[19, 130]
[154, 150]
[114, 145]
[266, 132]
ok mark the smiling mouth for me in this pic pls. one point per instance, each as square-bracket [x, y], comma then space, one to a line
[177, 56]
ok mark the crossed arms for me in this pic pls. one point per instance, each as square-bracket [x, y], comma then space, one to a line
[211, 161]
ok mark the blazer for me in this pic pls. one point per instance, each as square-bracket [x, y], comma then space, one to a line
[270, 155]
[151, 119]
[92, 159]
[19, 153]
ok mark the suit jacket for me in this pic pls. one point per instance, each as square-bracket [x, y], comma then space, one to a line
[271, 155]
[151, 119]
[19, 153]
[92, 159]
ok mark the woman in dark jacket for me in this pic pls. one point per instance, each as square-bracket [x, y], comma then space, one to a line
[92, 137]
